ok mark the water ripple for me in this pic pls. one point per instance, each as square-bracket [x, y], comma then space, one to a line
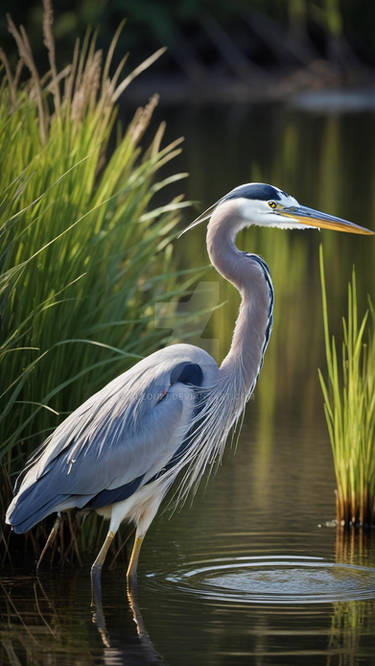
[280, 579]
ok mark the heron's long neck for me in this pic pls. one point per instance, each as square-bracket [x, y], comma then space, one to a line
[250, 275]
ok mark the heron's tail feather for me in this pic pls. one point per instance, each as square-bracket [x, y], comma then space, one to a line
[26, 509]
[39, 500]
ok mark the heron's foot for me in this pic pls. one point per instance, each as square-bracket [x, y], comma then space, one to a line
[131, 581]
[96, 570]
[96, 585]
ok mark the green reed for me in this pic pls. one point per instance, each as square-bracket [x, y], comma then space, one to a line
[85, 254]
[349, 405]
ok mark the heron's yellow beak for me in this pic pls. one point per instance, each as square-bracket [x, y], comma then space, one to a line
[315, 218]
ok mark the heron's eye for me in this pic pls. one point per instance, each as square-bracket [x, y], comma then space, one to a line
[272, 204]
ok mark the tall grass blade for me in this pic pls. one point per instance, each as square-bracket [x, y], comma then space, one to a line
[349, 405]
[85, 251]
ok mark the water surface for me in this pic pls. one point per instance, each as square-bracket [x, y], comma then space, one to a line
[249, 574]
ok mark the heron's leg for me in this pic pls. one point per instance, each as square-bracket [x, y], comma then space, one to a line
[147, 515]
[51, 537]
[131, 574]
[96, 568]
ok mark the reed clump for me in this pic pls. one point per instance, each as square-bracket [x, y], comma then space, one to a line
[349, 405]
[85, 254]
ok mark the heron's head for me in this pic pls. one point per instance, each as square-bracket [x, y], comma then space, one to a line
[268, 206]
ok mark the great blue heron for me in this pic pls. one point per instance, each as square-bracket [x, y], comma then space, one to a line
[120, 451]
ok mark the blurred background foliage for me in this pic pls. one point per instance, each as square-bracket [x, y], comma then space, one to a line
[241, 39]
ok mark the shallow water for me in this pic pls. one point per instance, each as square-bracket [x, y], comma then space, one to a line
[251, 573]
[254, 572]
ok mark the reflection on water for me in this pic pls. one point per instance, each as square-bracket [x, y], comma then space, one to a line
[258, 532]
[138, 647]
[60, 628]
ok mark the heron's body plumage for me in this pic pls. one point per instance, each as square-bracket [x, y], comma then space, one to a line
[127, 432]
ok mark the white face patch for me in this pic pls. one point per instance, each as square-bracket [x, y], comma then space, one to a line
[260, 213]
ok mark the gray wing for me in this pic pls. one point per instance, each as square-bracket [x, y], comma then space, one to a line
[117, 440]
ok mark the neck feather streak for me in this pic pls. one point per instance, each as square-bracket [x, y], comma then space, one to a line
[251, 277]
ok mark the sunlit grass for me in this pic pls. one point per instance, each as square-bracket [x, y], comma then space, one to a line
[85, 253]
[349, 405]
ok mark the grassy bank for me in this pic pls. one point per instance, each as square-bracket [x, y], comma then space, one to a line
[85, 253]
